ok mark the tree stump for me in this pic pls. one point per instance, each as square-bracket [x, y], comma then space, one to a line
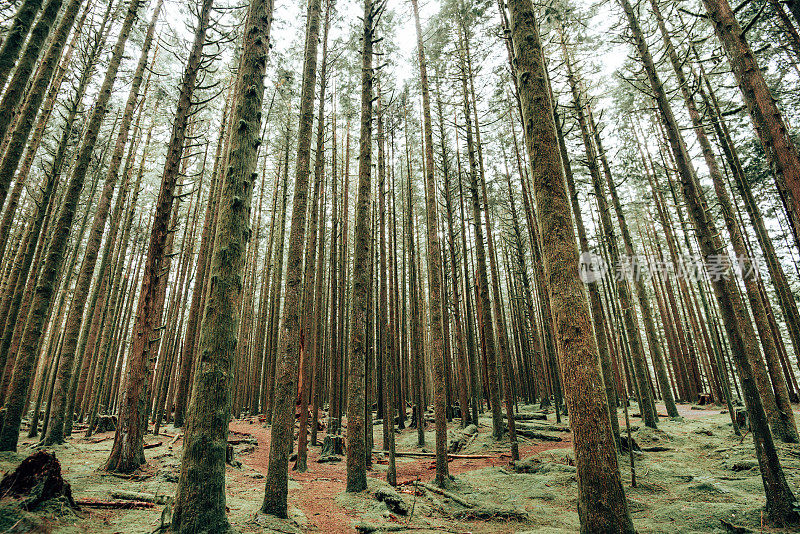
[105, 423]
[623, 443]
[37, 479]
[742, 420]
[229, 458]
[333, 446]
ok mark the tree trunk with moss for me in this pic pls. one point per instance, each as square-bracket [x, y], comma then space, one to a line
[288, 357]
[52, 67]
[15, 38]
[434, 269]
[307, 339]
[72, 328]
[602, 505]
[768, 120]
[200, 500]
[742, 337]
[356, 387]
[42, 297]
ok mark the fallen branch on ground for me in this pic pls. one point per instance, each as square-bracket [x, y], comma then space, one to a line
[444, 493]
[138, 496]
[433, 454]
[97, 503]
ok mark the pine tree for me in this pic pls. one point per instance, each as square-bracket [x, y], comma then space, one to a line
[42, 298]
[127, 453]
[768, 121]
[200, 501]
[281, 437]
[602, 506]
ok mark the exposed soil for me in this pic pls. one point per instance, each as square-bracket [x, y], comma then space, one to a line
[701, 474]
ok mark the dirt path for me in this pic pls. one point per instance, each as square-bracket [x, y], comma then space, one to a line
[316, 495]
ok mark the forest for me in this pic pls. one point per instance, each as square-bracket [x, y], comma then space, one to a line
[365, 266]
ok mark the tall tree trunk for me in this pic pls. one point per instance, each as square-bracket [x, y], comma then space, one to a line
[434, 269]
[416, 346]
[200, 500]
[55, 432]
[461, 351]
[288, 359]
[356, 394]
[307, 341]
[780, 499]
[333, 267]
[602, 504]
[484, 304]
[127, 453]
[42, 298]
[768, 121]
[15, 38]
[385, 324]
[27, 115]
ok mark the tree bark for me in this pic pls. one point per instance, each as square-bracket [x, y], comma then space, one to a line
[15, 38]
[769, 123]
[42, 298]
[356, 394]
[72, 328]
[200, 500]
[291, 336]
[19, 135]
[127, 453]
[602, 507]
[780, 499]
[434, 269]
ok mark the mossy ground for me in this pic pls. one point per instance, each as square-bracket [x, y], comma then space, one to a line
[707, 474]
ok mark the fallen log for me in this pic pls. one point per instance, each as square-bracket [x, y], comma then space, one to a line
[139, 496]
[433, 454]
[536, 435]
[546, 428]
[528, 417]
[238, 441]
[153, 445]
[175, 440]
[444, 493]
[656, 448]
[491, 512]
[128, 505]
[462, 439]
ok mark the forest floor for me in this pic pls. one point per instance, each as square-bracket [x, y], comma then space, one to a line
[696, 475]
